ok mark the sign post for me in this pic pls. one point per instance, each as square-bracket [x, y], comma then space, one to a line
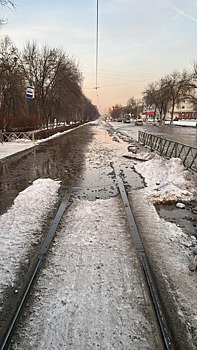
[30, 92]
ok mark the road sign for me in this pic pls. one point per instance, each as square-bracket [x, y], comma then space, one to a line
[29, 92]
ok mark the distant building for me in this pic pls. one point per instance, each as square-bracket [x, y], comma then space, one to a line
[148, 112]
[185, 110]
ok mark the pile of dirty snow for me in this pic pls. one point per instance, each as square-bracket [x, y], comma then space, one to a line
[167, 180]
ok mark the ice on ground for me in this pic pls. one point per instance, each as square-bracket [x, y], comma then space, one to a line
[167, 180]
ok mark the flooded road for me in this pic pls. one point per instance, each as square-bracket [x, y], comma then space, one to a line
[60, 158]
[65, 159]
[185, 135]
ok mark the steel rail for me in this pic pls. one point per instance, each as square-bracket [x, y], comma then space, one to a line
[167, 336]
[14, 317]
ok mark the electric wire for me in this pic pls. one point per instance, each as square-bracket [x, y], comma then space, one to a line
[97, 46]
[97, 31]
[120, 84]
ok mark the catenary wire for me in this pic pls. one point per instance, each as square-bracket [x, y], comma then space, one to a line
[97, 46]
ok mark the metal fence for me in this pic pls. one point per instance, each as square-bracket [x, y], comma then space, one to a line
[13, 136]
[169, 149]
[37, 134]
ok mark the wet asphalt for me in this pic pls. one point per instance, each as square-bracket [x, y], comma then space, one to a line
[60, 159]
[63, 159]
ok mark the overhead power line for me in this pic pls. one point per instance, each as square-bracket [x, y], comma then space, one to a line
[97, 38]
[97, 35]
[120, 84]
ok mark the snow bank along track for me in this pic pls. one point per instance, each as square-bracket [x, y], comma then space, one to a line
[168, 341]
[41, 255]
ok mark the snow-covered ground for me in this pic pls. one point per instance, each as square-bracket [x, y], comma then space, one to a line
[172, 253]
[21, 226]
[92, 287]
[189, 123]
[9, 148]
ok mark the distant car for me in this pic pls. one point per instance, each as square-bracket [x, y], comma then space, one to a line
[139, 122]
[126, 120]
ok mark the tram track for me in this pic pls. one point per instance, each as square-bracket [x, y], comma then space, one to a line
[167, 337]
[15, 315]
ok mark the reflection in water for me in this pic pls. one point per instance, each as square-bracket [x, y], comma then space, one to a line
[185, 135]
[184, 218]
[59, 158]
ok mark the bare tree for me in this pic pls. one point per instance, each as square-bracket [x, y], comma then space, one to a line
[116, 111]
[154, 96]
[150, 97]
[191, 95]
[39, 68]
[56, 79]
[90, 112]
[57, 82]
[168, 92]
[11, 84]
[131, 107]
[7, 3]
[67, 94]
[178, 84]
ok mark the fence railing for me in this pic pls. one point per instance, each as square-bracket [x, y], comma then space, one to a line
[13, 136]
[169, 149]
[37, 134]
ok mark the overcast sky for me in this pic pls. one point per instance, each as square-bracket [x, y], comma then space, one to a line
[139, 40]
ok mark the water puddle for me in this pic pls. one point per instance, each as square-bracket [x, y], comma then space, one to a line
[183, 218]
[130, 177]
[61, 158]
[96, 183]
[101, 183]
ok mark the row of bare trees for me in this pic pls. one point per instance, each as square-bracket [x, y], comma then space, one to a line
[170, 91]
[133, 108]
[56, 79]
[162, 96]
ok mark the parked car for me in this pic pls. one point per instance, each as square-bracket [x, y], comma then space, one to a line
[139, 122]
